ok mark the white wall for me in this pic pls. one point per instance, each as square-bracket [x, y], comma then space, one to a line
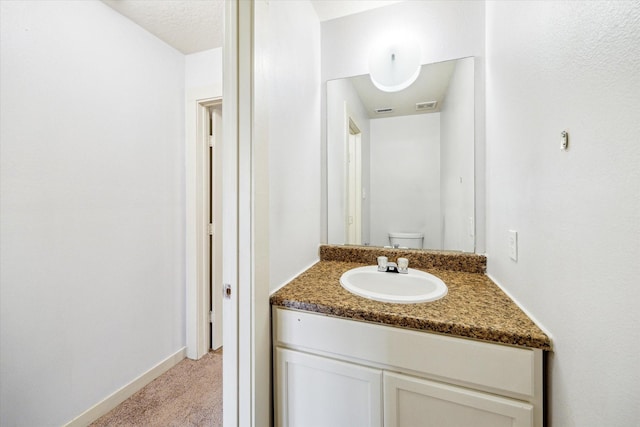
[405, 177]
[92, 207]
[204, 69]
[554, 66]
[445, 29]
[456, 160]
[287, 130]
[339, 92]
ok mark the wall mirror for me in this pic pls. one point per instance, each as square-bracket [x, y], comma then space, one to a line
[403, 162]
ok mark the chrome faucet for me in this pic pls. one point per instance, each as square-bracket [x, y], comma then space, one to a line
[384, 265]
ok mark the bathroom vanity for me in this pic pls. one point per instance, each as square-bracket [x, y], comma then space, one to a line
[470, 358]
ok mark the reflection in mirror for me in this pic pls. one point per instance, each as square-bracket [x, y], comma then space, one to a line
[403, 162]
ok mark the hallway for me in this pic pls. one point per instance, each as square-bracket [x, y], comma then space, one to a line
[189, 394]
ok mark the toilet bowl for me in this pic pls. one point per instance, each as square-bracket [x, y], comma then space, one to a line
[406, 240]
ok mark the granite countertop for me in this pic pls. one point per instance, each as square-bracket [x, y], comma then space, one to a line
[474, 307]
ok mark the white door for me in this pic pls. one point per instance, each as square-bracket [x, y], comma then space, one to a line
[410, 402]
[215, 214]
[354, 186]
[313, 391]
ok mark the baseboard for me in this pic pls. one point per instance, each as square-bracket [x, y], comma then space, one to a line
[119, 396]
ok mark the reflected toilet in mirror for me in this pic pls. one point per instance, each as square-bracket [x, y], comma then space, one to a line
[406, 240]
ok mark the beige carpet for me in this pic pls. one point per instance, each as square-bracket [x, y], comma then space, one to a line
[189, 394]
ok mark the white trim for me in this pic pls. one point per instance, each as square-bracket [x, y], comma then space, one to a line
[230, 366]
[119, 396]
[527, 312]
[247, 347]
[286, 282]
[197, 192]
[246, 284]
[254, 346]
[260, 223]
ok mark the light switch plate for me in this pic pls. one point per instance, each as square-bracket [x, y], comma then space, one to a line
[513, 245]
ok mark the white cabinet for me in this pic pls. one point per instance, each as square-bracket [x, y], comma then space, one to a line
[318, 391]
[337, 372]
[411, 402]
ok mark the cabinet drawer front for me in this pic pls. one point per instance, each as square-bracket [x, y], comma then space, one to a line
[316, 391]
[410, 401]
[492, 367]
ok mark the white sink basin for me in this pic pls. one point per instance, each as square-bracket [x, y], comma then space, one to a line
[416, 286]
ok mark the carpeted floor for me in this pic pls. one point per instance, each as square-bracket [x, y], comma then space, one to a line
[189, 394]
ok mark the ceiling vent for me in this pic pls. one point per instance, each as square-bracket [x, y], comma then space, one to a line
[384, 110]
[427, 105]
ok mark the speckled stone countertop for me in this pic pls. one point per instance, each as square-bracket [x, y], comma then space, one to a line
[474, 307]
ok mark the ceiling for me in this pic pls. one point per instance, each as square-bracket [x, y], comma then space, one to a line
[332, 9]
[192, 26]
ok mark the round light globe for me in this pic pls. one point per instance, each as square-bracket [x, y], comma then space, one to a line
[395, 67]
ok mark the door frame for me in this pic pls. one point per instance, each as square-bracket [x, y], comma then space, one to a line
[243, 404]
[198, 285]
[247, 342]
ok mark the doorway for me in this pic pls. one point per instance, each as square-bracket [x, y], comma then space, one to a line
[204, 227]
[212, 193]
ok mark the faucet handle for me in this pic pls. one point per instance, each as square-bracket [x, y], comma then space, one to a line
[382, 263]
[403, 265]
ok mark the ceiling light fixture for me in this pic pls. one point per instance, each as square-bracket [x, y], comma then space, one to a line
[396, 66]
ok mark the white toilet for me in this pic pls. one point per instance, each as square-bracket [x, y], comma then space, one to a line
[406, 240]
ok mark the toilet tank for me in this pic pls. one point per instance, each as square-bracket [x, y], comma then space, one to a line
[407, 240]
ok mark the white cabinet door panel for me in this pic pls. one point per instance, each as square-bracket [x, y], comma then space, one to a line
[316, 391]
[413, 402]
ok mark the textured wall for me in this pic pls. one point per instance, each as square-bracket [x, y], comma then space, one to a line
[287, 114]
[92, 207]
[553, 66]
[204, 69]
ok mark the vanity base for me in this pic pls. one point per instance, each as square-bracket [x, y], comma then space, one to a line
[334, 371]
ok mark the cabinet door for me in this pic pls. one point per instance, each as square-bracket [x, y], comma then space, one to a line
[412, 402]
[316, 391]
